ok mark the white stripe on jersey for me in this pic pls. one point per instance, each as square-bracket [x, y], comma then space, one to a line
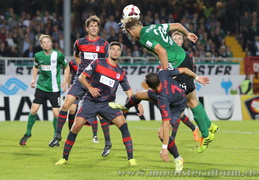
[53, 63]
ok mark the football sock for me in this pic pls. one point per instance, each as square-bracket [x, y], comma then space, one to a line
[55, 125]
[71, 138]
[95, 127]
[132, 101]
[185, 119]
[127, 140]
[175, 128]
[71, 118]
[199, 117]
[30, 123]
[207, 119]
[62, 117]
[106, 129]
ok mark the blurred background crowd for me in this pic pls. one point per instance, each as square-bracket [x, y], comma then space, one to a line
[21, 23]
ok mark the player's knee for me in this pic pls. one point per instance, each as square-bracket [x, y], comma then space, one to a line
[75, 128]
[33, 111]
[66, 106]
[72, 111]
[55, 114]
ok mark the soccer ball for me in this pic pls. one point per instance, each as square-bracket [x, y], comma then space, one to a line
[131, 11]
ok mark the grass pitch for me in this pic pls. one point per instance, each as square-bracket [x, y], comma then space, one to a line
[233, 153]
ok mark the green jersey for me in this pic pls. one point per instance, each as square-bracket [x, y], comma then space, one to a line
[50, 68]
[155, 34]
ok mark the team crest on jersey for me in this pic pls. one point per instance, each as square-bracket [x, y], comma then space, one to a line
[98, 48]
[118, 76]
[95, 56]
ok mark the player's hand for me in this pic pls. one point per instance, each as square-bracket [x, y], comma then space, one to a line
[164, 155]
[192, 37]
[64, 86]
[203, 80]
[94, 91]
[140, 110]
[32, 84]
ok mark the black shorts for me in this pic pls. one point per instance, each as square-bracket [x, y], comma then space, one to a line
[186, 82]
[42, 96]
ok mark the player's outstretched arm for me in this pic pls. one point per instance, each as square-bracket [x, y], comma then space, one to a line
[201, 79]
[177, 26]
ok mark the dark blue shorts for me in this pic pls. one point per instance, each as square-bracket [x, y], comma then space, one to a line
[176, 111]
[89, 110]
[77, 90]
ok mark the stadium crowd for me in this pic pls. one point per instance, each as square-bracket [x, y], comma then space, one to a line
[20, 26]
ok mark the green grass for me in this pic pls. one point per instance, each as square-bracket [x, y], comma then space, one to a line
[235, 148]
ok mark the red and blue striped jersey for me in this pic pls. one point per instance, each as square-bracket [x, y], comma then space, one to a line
[90, 50]
[73, 69]
[170, 94]
[106, 77]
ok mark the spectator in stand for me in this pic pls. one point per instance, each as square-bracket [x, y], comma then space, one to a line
[29, 52]
[111, 23]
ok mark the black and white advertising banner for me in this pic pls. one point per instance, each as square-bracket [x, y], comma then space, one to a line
[217, 69]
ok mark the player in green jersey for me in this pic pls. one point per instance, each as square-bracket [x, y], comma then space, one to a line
[156, 40]
[48, 63]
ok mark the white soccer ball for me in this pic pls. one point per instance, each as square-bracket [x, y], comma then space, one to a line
[131, 11]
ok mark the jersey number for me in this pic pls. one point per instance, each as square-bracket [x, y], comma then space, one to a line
[162, 32]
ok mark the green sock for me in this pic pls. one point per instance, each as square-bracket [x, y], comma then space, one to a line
[207, 119]
[199, 117]
[30, 123]
[55, 120]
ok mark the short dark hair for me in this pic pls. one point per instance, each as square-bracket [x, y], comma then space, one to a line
[114, 43]
[131, 22]
[92, 18]
[152, 80]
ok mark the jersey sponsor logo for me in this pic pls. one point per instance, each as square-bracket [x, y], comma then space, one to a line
[107, 81]
[12, 86]
[45, 67]
[149, 44]
[92, 56]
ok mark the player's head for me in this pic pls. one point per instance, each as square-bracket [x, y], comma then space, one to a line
[177, 37]
[45, 42]
[115, 50]
[133, 27]
[92, 25]
[152, 80]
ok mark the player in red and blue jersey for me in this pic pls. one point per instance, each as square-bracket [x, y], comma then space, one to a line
[86, 50]
[102, 78]
[171, 100]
